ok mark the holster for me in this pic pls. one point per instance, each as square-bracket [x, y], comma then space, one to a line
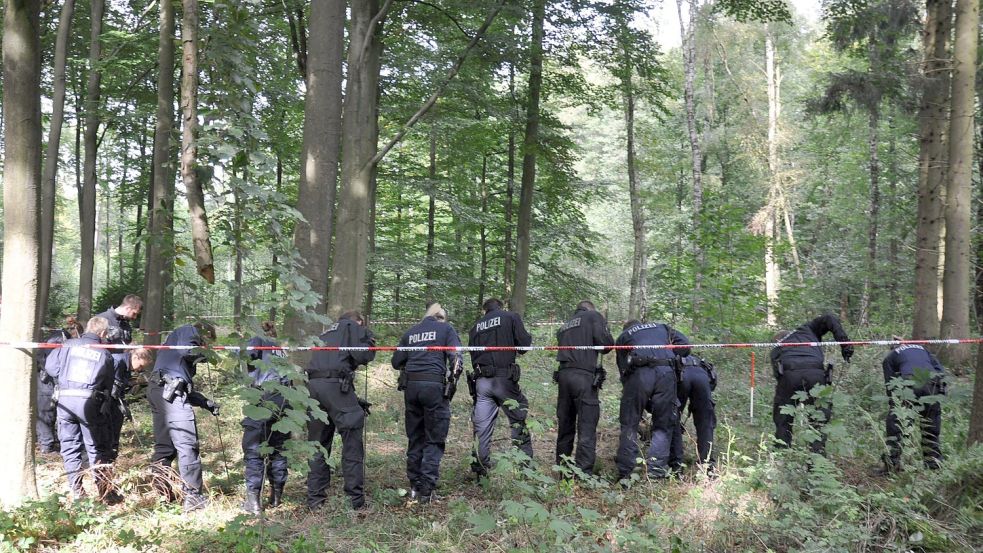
[401, 381]
[472, 385]
[515, 372]
[173, 387]
[829, 373]
[450, 388]
[347, 383]
[124, 408]
[600, 375]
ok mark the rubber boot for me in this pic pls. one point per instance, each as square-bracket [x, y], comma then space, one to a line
[276, 496]
[252, 504]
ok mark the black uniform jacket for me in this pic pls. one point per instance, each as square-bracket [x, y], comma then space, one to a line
[585, 328]
[649, 334]
[813, 331]
[344, 333]
[428, 332]
[498, 328]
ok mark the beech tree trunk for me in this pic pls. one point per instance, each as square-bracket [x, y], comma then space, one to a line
[976, 417]
[959, 197]
[189, 142]
[873, 121]
[360, 134]
[87, 207]
[636, 298]
[431, 214]
[49, 191]
[772, 271]
[689, 69]
[932, 117]
[21, 241]
[507, 268]
[483, 234]
[529, 150]
[160, 246]
[319, 157]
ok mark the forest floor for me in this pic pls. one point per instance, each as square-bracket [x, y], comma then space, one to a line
[762, 501]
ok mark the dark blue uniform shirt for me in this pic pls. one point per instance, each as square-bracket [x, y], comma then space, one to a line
[585, 328]
[81, 368]
[428, 332]
[344, 333]
[180, 363]
[813, 331]
[908, 360]
[649, 334]
[498, 328]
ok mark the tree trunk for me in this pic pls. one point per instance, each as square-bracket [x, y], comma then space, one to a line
[49, 190]
[976, 418]
[237, 244]
[139, 222]
[360, 132]
[21, 237]
[398, 286]
[932, 114]
[772, 271]
[87, 209]
[431, 214]
[507, 268]
[189, 142]
[273, 273]
[319, 158]
[160, 246]
[483, 234]
[636, 297]
[530, 148]
[689, 68]
[959, 197]
[893, 231]
[873, 121]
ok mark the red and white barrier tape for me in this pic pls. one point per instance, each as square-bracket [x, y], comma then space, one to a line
[744, 345]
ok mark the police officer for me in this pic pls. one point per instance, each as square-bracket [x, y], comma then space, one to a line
[171, 395]
[580, 377]
[85, 379]
[262, 367]
[648, 380]
[495, 380]
[46, 425]
[126, 365]
[697, 380]
[331, 382]
[912, 366]
[800, 368]
[429, 380]
[121, 332]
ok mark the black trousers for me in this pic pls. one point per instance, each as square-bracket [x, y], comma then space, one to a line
[428, 419]
[694, 391]
[84, 437]
[650, 389]
[577, 411]
[799, 379]
[492, 394]
[929, 419]
[346, 417]
[254, 434]
[115, 427]
[46, 425]
[176, 437]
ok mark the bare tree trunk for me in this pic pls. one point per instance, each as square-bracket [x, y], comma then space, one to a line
[48, 188]
[139, 222]
[893, 231]
[189, 142]
[319, 158]
[273, 274]
[360, 132]
[976, 417]
[636, 297]
[873, 121]
[398, 286]
[370, 278]
[932, 118]
[431, 214]
[160, 247]
[772, 271]
[959, 197]
[21, 241]
[237, 244]
[87, 209]
[530, 148]
[689, 68]
[483, 233]
[507, 268]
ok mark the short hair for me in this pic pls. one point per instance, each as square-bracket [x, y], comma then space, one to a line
[436, 311]
[132, 300]
[353, 315]
[141, 354]
[71, 323]
[206, 329]
[491, 304]
[630, 323]
[269, 328]
[96, 325]
[586, 304]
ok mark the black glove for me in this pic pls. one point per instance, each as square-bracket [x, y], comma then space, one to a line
[365, 405]
[847, 353]
[212, 407]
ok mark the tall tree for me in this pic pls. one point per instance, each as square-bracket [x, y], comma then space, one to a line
[932, 118]
[87, 207]
[189, 142]
[772, 271]
[50, 171]
[530, 148]
[21, 179]
[958, 204]
[160, 246]
[321, 149]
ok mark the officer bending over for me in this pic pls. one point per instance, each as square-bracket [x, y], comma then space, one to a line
[697, 380]
[172, 395]
[495, 381]
[428, 380]
[800, 369]
[261, 367]
[126, 365]
[648, 382]
[120, 331]
[580, 377]
[331, 376]
[46, 425]
[85, 380]
[912, 366]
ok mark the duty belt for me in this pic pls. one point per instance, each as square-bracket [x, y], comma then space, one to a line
[657, 363]
[76, 392]
[424, 377]
[500, 372]
[327, 375]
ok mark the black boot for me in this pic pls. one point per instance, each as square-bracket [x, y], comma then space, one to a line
[276, 496]
[252, 504]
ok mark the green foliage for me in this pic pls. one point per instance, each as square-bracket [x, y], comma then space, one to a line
[755, 10]
[37, 523]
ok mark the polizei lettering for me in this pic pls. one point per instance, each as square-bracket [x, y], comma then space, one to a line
[636, 328]
[572, 323]
[423, 337]
[490, 323]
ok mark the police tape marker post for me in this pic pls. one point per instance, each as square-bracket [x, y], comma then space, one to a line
[752, 385]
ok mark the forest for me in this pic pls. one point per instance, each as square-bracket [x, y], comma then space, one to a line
[733, 168]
